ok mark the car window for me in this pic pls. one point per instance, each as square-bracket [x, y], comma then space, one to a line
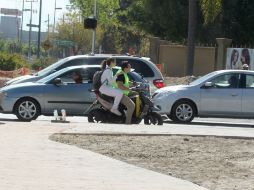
[140, 67]
[82, 61]
[226, 81]
[249, 82]
[90, 73]
[75, 76]
[133, 76]
[52, 68]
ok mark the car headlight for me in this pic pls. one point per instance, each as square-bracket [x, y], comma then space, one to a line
[2, 95]
[161, 94]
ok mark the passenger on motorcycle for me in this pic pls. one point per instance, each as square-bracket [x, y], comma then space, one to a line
[122, 83]
[107, 81]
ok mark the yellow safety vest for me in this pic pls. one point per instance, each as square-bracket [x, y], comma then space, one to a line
[126, 83]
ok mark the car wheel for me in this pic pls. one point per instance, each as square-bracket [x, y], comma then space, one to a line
[183, 112]
[153, 118]
[27, 109]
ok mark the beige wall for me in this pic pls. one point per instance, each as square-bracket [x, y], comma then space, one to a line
[205, 60]
[174, 58]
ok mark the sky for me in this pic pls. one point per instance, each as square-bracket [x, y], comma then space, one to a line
[47, 8]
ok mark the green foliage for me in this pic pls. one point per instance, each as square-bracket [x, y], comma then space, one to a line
[71, 29]
[165, 19]
[123, 21]
[237, 21]
[9, 62]
[210, 9]
[41, 63]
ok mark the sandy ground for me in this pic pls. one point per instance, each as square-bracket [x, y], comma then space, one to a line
[214, 163]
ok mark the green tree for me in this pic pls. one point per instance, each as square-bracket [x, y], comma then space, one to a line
[117, 33]
[210, 10]
[72, 29]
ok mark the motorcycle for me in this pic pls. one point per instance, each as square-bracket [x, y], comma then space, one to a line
[99, 111]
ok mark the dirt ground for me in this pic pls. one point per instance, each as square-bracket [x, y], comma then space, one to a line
[214, 163]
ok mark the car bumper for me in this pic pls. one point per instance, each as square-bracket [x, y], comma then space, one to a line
[164, 104]
[7, 104]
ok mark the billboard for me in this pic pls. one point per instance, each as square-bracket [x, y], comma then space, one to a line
[13, 12]
[237, 57]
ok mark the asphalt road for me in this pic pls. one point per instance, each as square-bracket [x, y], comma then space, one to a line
[222, 122]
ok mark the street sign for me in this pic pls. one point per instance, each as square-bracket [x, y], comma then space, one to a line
[32, 25]
[14, 12]
[64, 43]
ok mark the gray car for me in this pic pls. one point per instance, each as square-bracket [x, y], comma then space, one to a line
[225, 93]
[56, 91]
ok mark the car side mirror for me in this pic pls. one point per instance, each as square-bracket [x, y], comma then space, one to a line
[52, 71]
[207, 85]
[57, 81]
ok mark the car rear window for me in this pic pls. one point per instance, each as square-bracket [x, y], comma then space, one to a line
[140, 67]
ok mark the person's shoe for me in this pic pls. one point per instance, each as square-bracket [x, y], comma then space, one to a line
[115, 111]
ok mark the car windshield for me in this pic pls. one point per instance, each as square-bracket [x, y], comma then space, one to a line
[51, 67]
[203, 78]
[53, 75]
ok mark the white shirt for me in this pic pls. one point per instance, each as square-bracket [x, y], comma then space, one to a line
[107, 77]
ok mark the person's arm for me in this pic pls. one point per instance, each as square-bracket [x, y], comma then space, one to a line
[120, 82]
[112, 78]
[121, 86]
[107, 77]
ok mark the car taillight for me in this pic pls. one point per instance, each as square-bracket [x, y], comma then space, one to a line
[159, 83]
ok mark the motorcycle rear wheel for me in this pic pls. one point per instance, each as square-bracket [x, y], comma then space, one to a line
[95, 116]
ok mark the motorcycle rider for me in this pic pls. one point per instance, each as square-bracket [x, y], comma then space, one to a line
[122, 83]
[107, 81]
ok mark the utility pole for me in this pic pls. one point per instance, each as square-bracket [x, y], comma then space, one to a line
[39, 33]
[21, 32]
[94, 30]
[48, 25]
[30, 30]
[56, 8]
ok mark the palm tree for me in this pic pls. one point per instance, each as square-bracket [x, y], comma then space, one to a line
[210, 9]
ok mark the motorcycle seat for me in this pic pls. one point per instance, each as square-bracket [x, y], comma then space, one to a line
[106, 98]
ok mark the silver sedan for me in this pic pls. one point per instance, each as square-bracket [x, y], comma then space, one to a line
[69, 89]
[225, 93]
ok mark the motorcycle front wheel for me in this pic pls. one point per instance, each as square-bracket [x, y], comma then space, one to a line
[153, 118]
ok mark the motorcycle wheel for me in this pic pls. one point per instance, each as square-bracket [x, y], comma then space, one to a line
[95, 116]
[153, 118]
[136, 120]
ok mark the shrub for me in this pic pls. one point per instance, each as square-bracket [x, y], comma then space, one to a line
[9, 62]
[41, 63]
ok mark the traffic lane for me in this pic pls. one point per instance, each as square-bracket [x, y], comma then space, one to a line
[223, 122]
[220, 122]
[13, 118]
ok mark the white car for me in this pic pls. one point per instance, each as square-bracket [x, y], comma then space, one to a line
[141, 65]
[225, 93]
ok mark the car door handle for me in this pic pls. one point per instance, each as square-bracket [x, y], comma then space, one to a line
[234, 95]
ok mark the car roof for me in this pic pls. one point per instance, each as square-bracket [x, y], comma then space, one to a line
[89, 66]
[234, 71]
[109, 55]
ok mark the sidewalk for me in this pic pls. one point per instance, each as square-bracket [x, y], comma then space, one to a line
[29, 161]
